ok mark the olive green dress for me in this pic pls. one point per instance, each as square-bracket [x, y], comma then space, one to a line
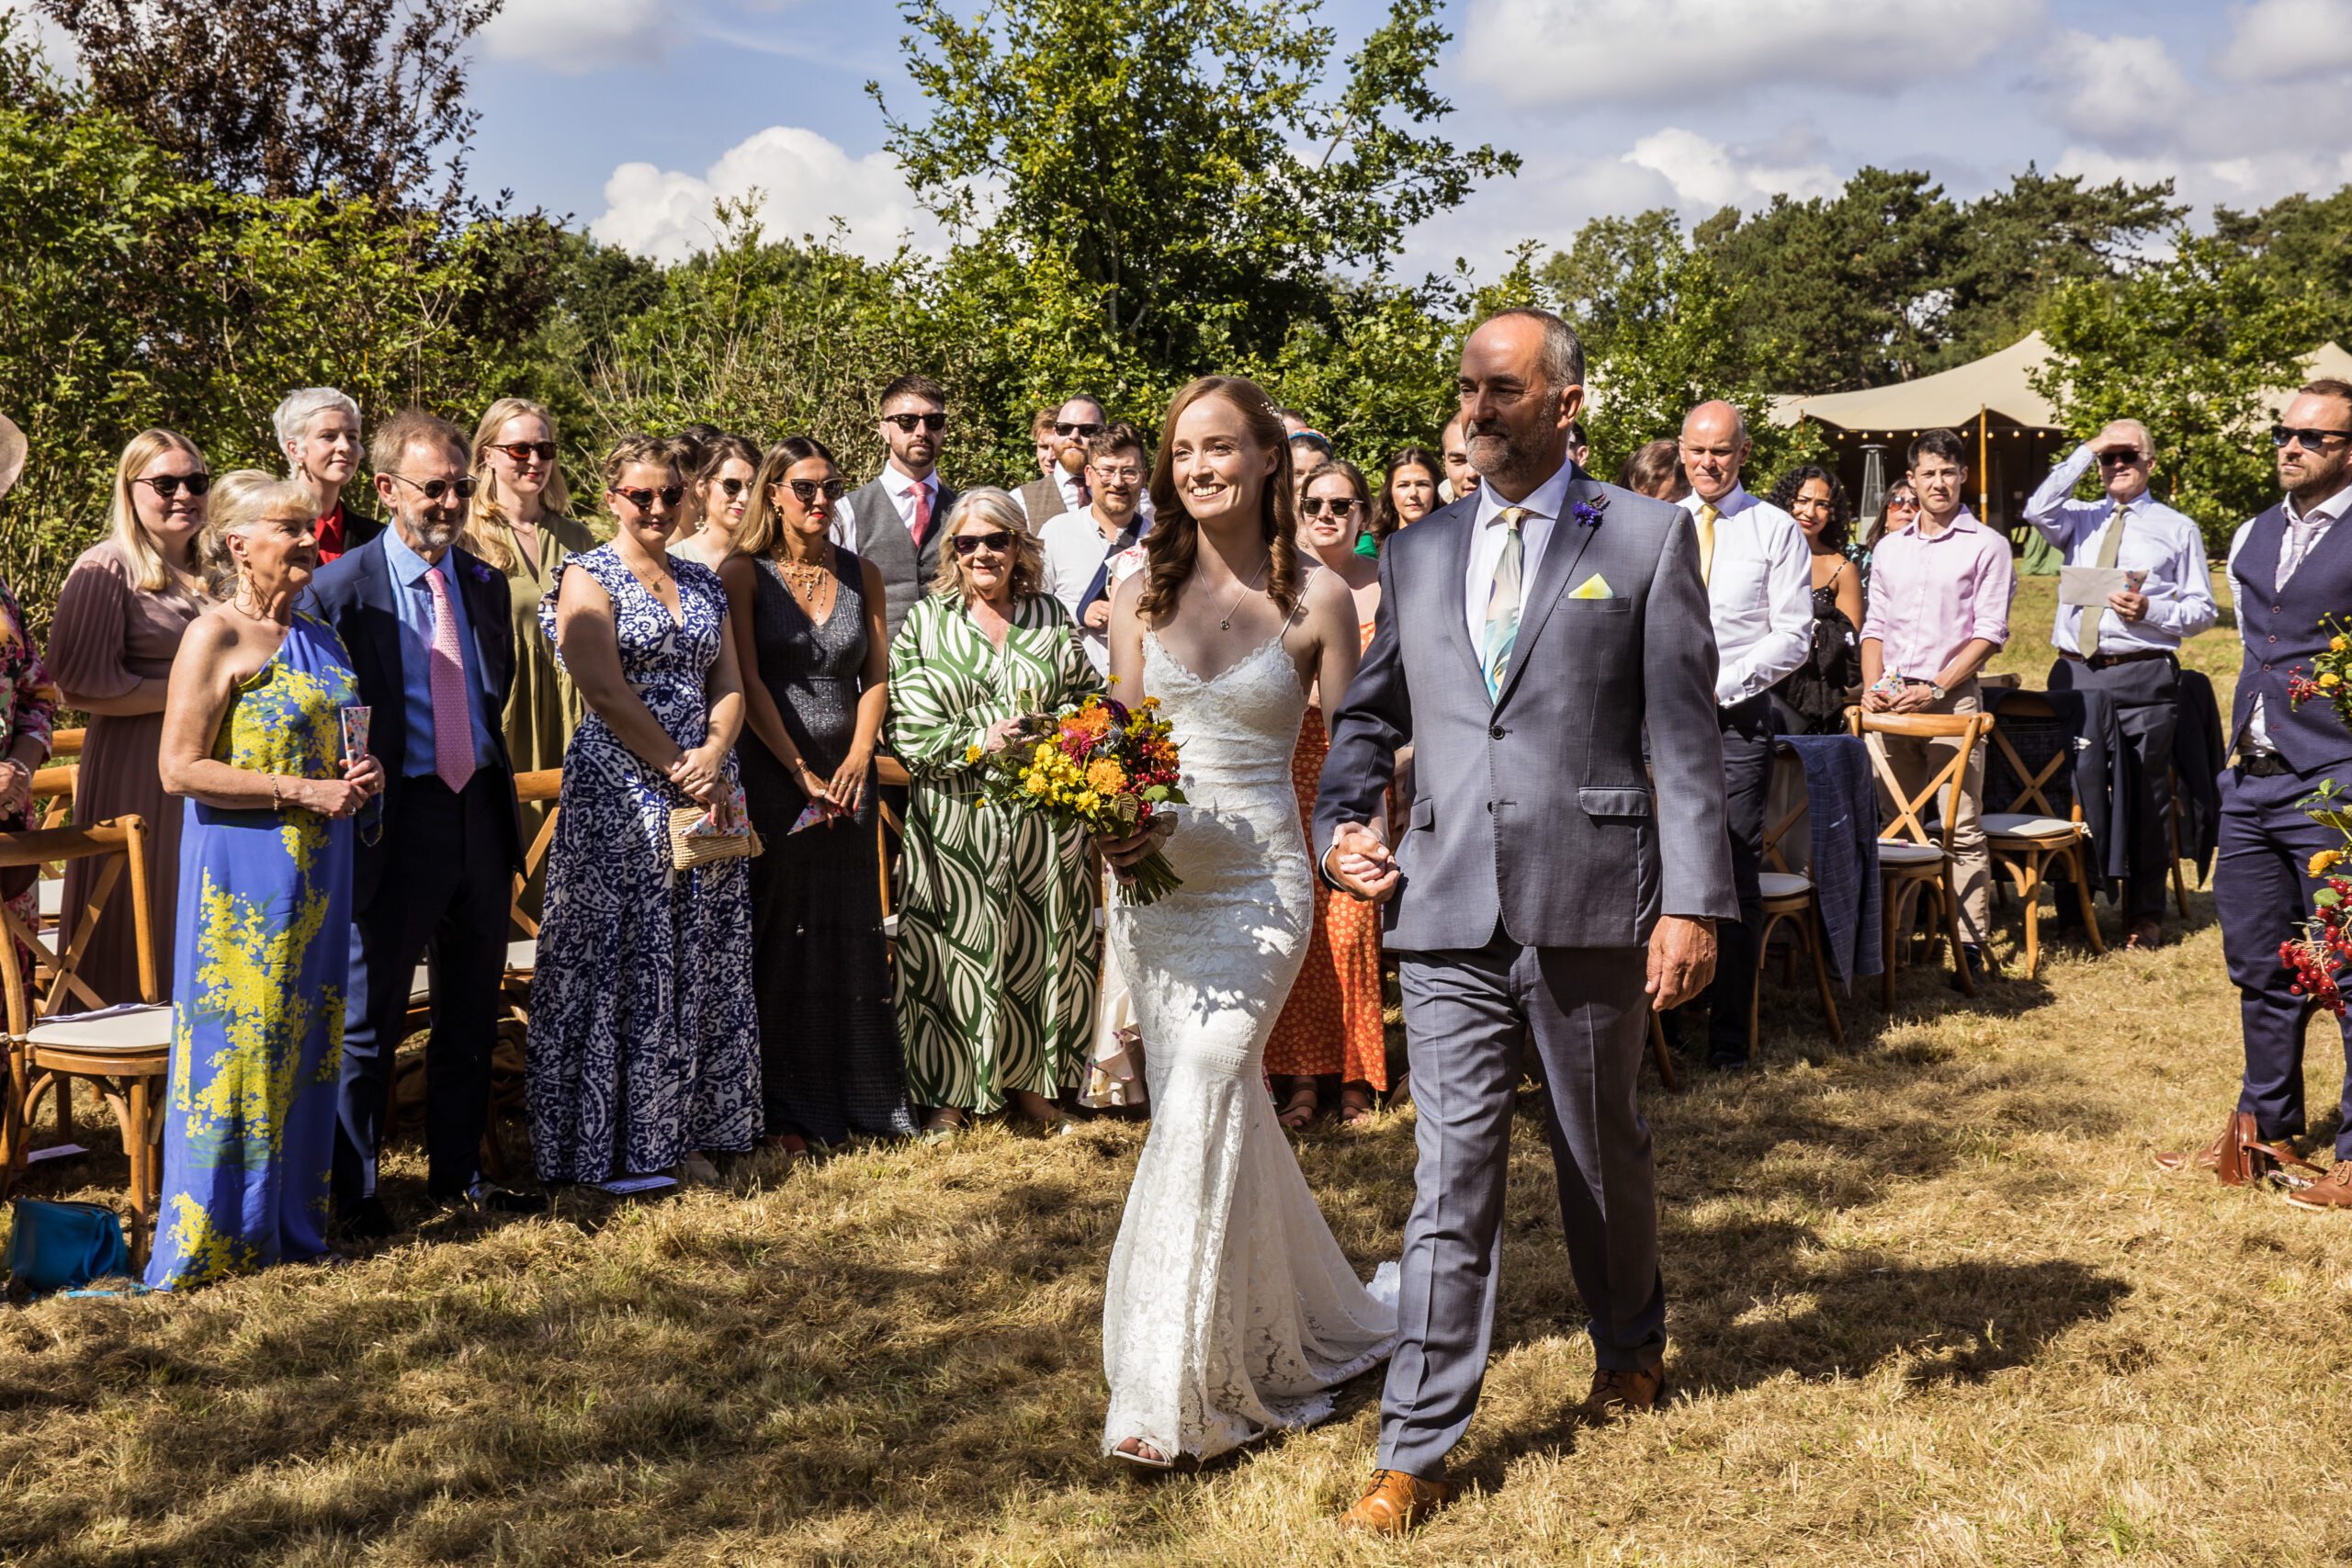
[544, 708]
[998, 955]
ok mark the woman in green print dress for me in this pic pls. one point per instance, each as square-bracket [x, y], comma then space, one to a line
[997, 948]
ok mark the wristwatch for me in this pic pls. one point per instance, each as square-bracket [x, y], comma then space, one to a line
[1935, 691]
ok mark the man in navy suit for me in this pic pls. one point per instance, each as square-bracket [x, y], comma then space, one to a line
[426, 626]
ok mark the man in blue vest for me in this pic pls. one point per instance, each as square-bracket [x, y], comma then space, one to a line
[2289, 569]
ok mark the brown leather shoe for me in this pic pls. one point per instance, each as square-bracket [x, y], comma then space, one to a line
[1616, 1395]
[1394, 1503]
[2146, 935]
[2207, 1159]
[2332, 1190]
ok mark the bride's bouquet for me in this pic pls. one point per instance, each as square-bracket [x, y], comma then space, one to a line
[1103, 766]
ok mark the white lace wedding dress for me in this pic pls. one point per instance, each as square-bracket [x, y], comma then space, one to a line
[1231, 1309]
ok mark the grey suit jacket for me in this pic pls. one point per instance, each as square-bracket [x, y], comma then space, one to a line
[883, 539]
[1534, 812]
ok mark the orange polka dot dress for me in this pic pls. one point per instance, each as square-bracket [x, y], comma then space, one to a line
[1331, 1023]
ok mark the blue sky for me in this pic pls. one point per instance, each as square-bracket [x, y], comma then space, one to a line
[632, 114]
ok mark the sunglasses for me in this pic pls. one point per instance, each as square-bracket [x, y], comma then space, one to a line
[806, 491]
[909, 422]
[2126, 457]
[1340, 506]
[435, 488]
[1079, 430]
[643, 499]
[524, 451]
[733, 487]
[972, 544]
[168, 485]
[1902, 503]
[2312, 440]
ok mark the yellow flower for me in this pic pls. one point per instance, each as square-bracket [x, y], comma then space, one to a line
[2331, 679]
[2338, 645]
[2325, 861]
[972, 754]
[1035, 784]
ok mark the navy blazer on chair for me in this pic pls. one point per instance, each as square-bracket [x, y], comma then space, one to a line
[353, 594]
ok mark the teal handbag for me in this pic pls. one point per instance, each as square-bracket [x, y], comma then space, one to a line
[61, 1247]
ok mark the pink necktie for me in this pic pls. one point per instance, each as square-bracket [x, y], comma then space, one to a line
[920, 526]
[453, 724]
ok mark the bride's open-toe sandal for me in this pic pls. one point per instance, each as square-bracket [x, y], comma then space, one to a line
[1136, 1451]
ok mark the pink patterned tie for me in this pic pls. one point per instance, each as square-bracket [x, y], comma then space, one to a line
[453, 724]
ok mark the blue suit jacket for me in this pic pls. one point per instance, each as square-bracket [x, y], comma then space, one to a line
[353, 594]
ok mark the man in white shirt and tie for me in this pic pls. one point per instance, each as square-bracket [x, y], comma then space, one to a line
[2129, 649]
[897, 518]
[1759, 573]
[1078, 546]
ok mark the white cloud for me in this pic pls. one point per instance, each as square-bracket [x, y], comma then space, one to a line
[2275, 42]
[1708, 174]
[578, 36]
[1560, 54]
[805, 183]
[2112, 89]
[2244, 181]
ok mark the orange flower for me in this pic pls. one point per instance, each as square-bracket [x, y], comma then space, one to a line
[1105, 777]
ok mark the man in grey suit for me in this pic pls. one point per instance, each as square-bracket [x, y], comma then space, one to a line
[901, 515]
[1542, 885]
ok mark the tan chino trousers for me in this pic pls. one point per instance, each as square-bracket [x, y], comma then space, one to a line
[1912, 764]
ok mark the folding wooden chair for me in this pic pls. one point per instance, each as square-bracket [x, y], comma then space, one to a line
[2027, 836]
[890, 833]
[124, 1057]
[1790, 896]
[1910, 858]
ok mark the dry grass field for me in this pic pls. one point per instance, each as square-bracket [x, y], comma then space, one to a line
[1930, 1303]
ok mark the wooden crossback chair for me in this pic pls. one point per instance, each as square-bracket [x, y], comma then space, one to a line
[1791, 898]
[2029, 835]
[889, 834]
[1911, 859]
[53, 807]
[126, 1056]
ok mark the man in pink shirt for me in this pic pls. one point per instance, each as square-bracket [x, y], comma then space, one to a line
[1939, 609]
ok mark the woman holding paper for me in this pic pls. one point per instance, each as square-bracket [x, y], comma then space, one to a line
[807, 617]
[253, 740]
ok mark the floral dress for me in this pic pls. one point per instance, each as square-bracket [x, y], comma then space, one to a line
[27, 707]
[644, 1043]
[264, 939]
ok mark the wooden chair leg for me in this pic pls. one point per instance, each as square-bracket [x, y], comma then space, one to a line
[1814, 942]
[1664, 1057]
[2029, 892]
[1886, 895]
[129, 1103]
[1756, 984]
[2083, 897]
[1952, 924]
[2179, 882]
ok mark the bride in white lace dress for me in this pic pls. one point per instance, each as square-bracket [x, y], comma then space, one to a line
[1231, 1309]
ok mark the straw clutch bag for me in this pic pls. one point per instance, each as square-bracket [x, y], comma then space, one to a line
[703, 835]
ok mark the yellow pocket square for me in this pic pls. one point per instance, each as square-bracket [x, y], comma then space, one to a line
[1593, 587]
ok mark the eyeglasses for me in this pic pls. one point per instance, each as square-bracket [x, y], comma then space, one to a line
[1342, 506]
[733, 487]
[168, 485]
[643, 499]
[524, 451]
[1902, 503]
[972, 544]
[2312, 440]
[1081, 430]
[1116, 476]
[805, 490]
[2127, 457]
[907, 422]
[435, 488]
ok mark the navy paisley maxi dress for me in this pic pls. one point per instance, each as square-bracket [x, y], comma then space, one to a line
[644, 1043]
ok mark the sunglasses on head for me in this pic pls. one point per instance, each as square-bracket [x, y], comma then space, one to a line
[971, 544]
[643, 499]
[2311, 440]
[435, 488]
[806, 491]
[1340, 505]
[908, 422]
[168, 485]
[1083, 429]
[524, 451]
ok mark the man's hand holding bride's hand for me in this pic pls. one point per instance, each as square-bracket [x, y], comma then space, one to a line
[1682, 959]
[1360, 862]
[1123, 853]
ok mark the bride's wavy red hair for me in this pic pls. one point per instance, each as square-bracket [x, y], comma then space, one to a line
[1171, 548]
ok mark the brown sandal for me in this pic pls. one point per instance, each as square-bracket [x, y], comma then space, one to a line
[1302, 1107]
[1355, 1105]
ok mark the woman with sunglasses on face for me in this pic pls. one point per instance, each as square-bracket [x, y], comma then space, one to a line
[1330, 1027]
[998, 960]
[644, 1054]
[1896, 513]
[125, 605]
[1407, 494]
[721, 494]
[808, 625]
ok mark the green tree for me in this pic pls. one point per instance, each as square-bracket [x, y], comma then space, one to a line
[2019, 243]
[2192, 346]
[2302, 247]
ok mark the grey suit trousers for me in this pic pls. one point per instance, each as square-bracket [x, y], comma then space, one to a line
[1467, 1013]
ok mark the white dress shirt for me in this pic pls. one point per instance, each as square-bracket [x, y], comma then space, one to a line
[1759, 594]
[1536, 531]
[1074, 548]
[2303, 531]
[2156, 540]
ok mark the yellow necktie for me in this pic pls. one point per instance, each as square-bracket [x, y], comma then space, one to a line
[1707, 515]
[2094, 616]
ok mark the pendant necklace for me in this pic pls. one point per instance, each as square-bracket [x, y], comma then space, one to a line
[1225, 624]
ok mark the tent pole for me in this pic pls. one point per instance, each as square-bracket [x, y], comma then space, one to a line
[1983, 467]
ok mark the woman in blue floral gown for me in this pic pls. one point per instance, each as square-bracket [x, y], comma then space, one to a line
[252, 739]
[644, 1054]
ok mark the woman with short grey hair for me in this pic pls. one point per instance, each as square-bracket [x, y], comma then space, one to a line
[318, 429]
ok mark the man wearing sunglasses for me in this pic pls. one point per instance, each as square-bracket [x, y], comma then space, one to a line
[2130, 648]
[427, 627]
[318, 429]
[2290, 570]
[894, 520]
[1078, 546]
[1078, 421]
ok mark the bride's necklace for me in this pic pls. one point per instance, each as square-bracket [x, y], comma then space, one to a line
[1225, 622]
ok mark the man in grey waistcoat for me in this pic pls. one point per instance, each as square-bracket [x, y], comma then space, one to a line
[1530, 637]
[899, 515]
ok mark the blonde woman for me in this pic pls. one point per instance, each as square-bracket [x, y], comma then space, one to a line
[722, 487]
[126, 604]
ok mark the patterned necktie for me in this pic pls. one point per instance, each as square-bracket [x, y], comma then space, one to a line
[1502, 601]
[2092, 618]
[453, 725]
[1085, 494]
[920, 523]
[1707, 516]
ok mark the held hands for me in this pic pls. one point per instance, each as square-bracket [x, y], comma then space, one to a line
[1360, 862]
[696, 773]
[1682, 960]
[1004, 732]
[16, 785]
[1124, 852]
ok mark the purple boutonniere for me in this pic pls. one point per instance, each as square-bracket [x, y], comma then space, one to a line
[1588, 513]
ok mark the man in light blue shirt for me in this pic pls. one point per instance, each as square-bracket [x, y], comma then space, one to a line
[2130, 648]
[413, 603]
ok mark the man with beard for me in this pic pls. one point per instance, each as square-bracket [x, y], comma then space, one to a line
[897, 519]
[1063, 489]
